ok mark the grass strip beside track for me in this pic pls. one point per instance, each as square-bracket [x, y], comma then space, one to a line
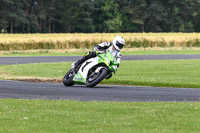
[80, 52]
[160, 73]
[73, 116]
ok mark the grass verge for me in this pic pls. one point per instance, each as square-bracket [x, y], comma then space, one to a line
[72, 116]
[79, 52]
[159, 73]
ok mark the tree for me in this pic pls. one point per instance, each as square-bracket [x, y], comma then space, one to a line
[3, 13]
[155, 16]
[113, 22]
[189, 10]
[134, 14]
[31, 8]
[16, 14]
[84, 19]
[67, 14]
[170, 18]
[11, 14]
[51, 16]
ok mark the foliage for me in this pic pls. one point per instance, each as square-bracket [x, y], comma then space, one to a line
[113, 22]
[88, 16]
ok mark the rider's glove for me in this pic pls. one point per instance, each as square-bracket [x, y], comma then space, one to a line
[115, 68]
[98, 51]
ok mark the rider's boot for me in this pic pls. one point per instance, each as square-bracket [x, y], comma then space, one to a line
[74, 66]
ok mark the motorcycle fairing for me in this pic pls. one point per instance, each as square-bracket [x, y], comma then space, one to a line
[80, 77]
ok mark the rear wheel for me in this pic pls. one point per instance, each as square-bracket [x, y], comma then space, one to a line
[96, 78]
[68, 78]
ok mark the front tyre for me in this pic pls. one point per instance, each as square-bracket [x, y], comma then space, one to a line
[68, 78]
[93, 80]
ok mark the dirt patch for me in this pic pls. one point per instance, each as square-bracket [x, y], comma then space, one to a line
[40, 80]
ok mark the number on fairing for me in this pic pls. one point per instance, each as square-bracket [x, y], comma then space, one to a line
[85, 65]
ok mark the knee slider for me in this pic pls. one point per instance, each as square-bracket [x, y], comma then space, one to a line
[87, 53]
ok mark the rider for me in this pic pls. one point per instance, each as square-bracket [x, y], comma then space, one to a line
[114, 47]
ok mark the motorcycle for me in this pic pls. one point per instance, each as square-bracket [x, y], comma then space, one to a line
[92, 71]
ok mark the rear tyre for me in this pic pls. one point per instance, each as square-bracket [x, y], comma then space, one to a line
[68, 78]
[93, 81]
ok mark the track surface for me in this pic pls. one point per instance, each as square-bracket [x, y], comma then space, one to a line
[30, 90]
[34, 90]
[25, 60]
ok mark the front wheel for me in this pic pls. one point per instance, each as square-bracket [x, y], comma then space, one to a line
[96, 78]
[68, 78]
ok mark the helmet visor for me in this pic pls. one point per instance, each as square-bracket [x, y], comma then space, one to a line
[119, 45]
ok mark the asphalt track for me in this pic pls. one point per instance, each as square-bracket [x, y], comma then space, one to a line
[34, 90]
[25, 60]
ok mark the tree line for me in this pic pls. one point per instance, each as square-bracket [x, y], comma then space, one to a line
[88, 16]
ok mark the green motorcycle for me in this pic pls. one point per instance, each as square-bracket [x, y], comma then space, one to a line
[92, 71]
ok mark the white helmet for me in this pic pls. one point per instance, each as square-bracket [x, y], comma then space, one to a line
[118, 42]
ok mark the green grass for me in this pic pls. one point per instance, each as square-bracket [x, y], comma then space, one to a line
[161, 52]
[160, 73]
[114, 117]
[135, 52]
